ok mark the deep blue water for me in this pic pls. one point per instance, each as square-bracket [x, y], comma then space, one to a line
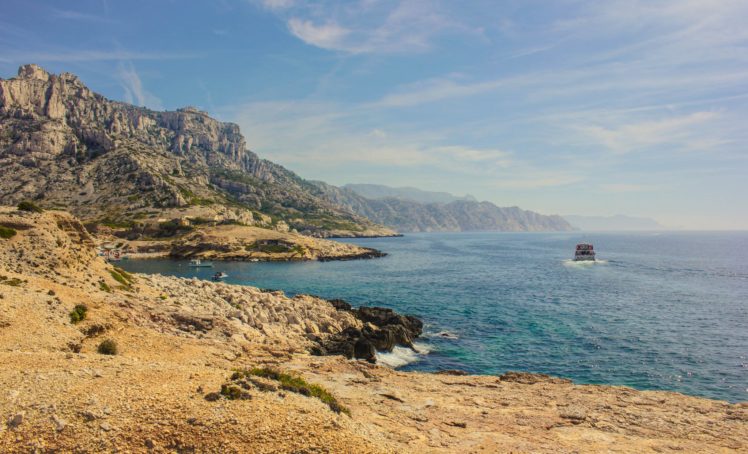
[662, 311]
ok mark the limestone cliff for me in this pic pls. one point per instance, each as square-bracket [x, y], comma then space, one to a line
[64, 146]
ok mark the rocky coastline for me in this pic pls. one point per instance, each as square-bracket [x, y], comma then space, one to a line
[96, 359]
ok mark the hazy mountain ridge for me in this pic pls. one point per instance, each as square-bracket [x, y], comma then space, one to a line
[106, 161]
[378, 191]
[613, 223]
[455, 216]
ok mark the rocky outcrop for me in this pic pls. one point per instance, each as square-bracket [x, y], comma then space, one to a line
[381, 330]
[124, 165]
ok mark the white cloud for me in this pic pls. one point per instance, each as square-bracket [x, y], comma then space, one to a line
[135, 93]
[327, 36]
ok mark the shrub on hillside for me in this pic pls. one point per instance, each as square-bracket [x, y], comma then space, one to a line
[78, 314]
[7, 232]
[108, 347]
[29, 206]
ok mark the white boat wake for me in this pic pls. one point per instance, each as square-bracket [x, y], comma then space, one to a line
[571, 263]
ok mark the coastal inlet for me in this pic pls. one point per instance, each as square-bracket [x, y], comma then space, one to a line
[664, 311]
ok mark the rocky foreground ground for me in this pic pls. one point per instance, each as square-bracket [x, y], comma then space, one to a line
[173, 386]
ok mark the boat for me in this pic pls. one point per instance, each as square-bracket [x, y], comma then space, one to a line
[197, 263]
[585, 253]
[219, 276]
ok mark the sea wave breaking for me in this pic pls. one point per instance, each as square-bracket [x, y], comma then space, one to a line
[400, 356]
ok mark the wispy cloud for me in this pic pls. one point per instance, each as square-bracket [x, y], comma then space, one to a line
[633, 137]
[369, 27]
[132, 85]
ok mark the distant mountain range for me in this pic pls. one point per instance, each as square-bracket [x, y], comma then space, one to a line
[378, 191]
[409, 213]
[612, 223]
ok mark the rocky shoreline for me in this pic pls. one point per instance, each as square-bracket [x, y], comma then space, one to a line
[96, 359]
[243, 243]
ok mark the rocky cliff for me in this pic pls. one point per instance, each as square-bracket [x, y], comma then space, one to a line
[113, 163]
[408, 215]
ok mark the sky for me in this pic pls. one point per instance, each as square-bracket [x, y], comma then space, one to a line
[637, 107]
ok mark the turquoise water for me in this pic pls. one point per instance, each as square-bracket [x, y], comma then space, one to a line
[661, 311]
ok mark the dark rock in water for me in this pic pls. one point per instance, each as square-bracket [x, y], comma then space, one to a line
[340, 305]
[381, 317]
[382, 339]
[363, 349]
[383, 330]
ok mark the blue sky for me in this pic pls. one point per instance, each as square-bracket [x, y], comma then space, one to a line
[571, 106]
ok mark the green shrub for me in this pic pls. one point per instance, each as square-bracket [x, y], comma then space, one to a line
[7, 232]
[105, 287]
[12, 281]
[29, 206]
[78, 314]
[231, 392]
[107, 347]
[121, 276]
[295, 384]
[124, 274]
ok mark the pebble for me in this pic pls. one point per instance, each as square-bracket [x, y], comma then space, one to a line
[105, 427]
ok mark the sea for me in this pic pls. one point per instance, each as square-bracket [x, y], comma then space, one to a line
[657, 311]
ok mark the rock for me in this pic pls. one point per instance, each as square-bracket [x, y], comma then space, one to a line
[59, 423]
[16, 420]
[340, 305]
[89, 415]
[573, 413]
[105, 426]
[364, 349]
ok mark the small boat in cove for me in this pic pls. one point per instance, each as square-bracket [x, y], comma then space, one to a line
[219, 276]
[197, 263]
[585, 253]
